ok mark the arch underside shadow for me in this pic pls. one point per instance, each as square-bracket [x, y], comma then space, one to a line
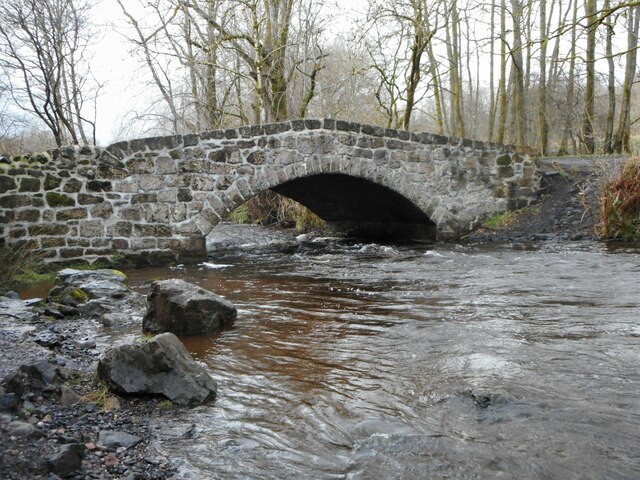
[360, 208]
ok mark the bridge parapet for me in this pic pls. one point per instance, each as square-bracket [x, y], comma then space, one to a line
[160, 196]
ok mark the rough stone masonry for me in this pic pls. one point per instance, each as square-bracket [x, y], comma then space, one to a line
[161, 196]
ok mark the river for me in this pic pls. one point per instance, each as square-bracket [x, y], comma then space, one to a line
[362, 361]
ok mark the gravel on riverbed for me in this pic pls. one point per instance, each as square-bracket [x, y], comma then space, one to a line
[56, 419]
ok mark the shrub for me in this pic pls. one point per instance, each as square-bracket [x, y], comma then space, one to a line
[620, 204]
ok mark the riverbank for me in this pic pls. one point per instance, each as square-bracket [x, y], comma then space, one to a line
[56, 419]
[566, 211]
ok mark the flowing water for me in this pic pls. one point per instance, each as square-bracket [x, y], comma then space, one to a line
[373, 362]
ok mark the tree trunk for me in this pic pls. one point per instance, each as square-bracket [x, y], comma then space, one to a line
[519, 103]
[611, 86]
[621, 139]
[588, 138]
[502, 84]
[568, 119]
[492, 93]
[542, 87]
[457, 118]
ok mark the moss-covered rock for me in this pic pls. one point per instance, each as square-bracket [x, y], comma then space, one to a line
[28, 184]
[70, 296]
[60, 200]
[52, 182]
[503, 160]
[6, 183]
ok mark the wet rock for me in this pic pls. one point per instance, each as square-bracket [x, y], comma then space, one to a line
[483, 400]
[161, 366]
[68, 396]
[67, 460]
[114, 319]
[33, 377]
[8, 402]
[112, 439]
[111, 460]
[48, 339]
[23, 430]
[11, 294]
[53, 312]
[111, 403]
[75, 287]
[86, 344]
[68, 310]
[17, 309]
[183, 308]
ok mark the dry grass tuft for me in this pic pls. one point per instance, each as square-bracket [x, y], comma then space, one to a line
[620, 204]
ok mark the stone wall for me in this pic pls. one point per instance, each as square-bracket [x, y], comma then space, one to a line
[163, 195]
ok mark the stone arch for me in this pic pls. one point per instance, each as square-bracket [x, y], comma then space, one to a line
[372, 203]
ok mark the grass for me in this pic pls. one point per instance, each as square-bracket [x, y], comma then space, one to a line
[240, 214]
[99, 396]
[620, 204]
[21, 268]
[500, 220]
[165, 404]
[145, 337]
[507, 219]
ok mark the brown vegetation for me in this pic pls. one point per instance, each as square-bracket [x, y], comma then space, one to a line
[620, 204]
[270, 208]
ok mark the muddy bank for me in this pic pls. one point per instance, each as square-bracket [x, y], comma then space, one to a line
[567, 210]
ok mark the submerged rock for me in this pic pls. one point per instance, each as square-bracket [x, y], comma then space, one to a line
[161, 366]
[183, 308]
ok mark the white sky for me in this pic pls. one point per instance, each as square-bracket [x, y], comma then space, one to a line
[123, 77]
[118, 69]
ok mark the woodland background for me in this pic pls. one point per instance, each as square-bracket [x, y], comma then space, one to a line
[557, 75]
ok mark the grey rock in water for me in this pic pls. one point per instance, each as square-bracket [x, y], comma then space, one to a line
[111, 439]
[161, 366]
[67, 459]
[183, 308]
[75, 287]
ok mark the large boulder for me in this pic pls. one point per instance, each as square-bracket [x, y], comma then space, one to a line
[161, 366]
[183, 308]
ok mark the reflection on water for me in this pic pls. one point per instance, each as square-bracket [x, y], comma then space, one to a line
[461, 362]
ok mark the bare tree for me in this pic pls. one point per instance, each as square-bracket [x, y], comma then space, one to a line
[43, 45]
[587, 136]
[621, 138]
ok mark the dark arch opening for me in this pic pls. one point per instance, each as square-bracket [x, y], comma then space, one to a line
[360, 208]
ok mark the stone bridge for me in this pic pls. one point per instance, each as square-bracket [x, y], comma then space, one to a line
[162, 196]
